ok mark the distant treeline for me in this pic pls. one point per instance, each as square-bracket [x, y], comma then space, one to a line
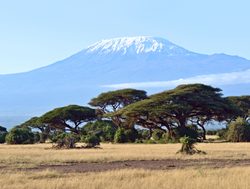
[130, 115]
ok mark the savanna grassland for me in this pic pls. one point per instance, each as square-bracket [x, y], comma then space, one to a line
[226, 165]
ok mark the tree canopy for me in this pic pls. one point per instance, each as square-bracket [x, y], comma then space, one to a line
[180, 106]
[69, 117]
[112, 101]
[243, 103]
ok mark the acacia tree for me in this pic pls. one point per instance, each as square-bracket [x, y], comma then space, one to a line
[112, 101]
[36, 123]
[179, 107]
[243, 103]
[69, 117]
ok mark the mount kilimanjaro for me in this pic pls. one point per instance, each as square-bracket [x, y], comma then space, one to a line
[149, 63]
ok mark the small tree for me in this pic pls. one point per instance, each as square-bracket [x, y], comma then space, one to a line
[19, 135]
[120, 136]
[91, 141]
[188, 146]
[104, 129]
[239, 131]
[65, 140]
[3, 133]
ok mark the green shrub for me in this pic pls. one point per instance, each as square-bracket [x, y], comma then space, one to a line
[190, 131]
[104, 129]
[37, 137]
[158, 134]
[19, 135]
[239, 131]
[65, 140]
[3, 133]
[2, 137]
[120, 136]
[188, 146]
[211, 132]
[91, 141]
[131, 135]
[222, 133]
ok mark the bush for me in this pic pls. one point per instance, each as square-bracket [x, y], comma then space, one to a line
[131, 135]
[65, 140]
[222, 133]
[91, 141]
[211, 132]
[3, 133]
[239, 131]
[158, 134]
[190, 131]
[104, 129]
[2, 137]
[20, 135]
[120, 136]
[188, 146]
[126, 135]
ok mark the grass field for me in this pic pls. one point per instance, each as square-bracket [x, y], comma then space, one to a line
[15, 161]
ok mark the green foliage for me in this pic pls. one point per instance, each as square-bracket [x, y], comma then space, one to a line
[19, 135]
[190, 131]
[110, 102]
[222, 133]
[3, 129]
[37, 137]
[188, 147]
[2, 137]
[120, 136]
[37, 124]
[158, 134]
[178, 107]
[212, 132]
[69, 117]
[243, 103]
[3, 133]
[65, 140]
[118, 99]
[239, 131]
[131, 135]
[125, 135]
[104, 129]
[91, 141]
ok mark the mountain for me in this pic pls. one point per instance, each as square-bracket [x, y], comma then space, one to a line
[117, 63]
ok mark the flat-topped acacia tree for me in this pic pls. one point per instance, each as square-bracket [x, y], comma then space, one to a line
[36, 123]
[243, 103]
[179, 107]
[112, 101]
[69, 117]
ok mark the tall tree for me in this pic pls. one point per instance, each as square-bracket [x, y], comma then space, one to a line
[112, 101]
[179, 107]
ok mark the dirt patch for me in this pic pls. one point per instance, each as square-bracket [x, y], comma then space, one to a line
[166, 164]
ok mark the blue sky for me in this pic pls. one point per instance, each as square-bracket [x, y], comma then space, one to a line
[38, 33]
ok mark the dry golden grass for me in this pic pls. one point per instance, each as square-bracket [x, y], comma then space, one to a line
[226, 178]
[32, 155]
[23, 156]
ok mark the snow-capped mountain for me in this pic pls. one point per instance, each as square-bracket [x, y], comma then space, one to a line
[108, 63]
[137, 45]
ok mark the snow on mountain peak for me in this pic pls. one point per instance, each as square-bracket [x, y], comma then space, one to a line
[137, 45]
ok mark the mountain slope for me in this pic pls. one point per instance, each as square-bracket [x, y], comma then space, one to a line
[121, 60]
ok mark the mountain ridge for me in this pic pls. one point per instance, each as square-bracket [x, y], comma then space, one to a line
[80, 77]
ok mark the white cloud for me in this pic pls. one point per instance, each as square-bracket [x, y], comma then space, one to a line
[212, 79]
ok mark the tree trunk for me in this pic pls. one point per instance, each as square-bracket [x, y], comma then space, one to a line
[204, 132]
